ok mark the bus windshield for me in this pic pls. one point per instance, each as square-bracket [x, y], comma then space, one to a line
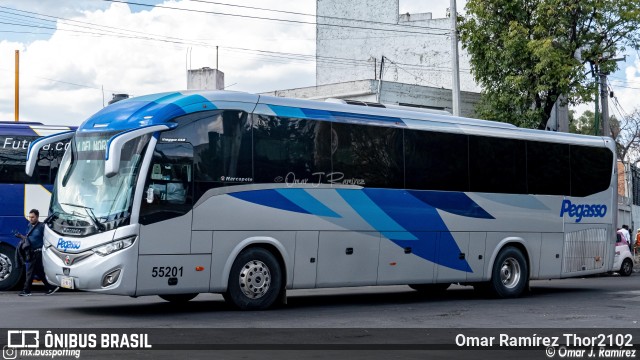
[84, 196]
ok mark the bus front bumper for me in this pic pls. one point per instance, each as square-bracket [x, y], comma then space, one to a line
[111, 274]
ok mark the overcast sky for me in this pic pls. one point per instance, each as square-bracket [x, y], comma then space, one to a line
[66, 61]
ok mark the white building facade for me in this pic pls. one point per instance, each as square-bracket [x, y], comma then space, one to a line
[353, 36]
[366, 51]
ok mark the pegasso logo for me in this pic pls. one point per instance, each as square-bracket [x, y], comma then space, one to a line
[65, 245]
[582, 210]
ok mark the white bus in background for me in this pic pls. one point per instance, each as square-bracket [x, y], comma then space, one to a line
[182, 193]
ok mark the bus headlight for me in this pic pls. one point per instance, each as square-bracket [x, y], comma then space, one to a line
[114, 246]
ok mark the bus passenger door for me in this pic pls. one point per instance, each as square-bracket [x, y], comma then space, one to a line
[166, 216]
[166, 265]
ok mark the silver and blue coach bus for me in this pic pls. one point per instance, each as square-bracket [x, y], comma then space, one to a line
[183, 193]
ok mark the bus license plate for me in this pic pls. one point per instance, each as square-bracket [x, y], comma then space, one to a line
[66, 282]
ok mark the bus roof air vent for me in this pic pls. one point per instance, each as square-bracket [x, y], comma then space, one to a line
[354, 102]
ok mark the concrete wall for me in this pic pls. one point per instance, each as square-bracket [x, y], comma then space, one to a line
[348, 53]
[390, 93]
[205, 79]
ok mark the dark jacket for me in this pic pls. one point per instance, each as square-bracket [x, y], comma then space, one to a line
[35, 234]
[27, 244]
[24, 251]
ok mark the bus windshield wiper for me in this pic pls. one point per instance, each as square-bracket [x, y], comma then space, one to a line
[55, 213]
[90, 214]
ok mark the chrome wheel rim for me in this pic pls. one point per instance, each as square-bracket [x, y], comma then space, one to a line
[510, 273]
[626, 267]
[255, 279]
[6, 266]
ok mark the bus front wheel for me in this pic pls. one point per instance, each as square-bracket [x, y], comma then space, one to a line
[255, 280]
[10, 272]
[510, 274]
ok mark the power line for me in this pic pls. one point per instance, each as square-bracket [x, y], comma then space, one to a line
[257, 52]
[617, 105]
[104, 30]
[64, 82]
[445, 31]
[410, 73]
[168, 39]
[175, 40]
[271, 56]
[274, 19]
[626, 87]
[624, 80]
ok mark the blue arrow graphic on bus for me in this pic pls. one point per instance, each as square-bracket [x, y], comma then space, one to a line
[408, 218]
[390, 210]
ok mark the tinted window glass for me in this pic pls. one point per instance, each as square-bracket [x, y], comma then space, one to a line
[221, 147]
[369, 156]
[13, 158]
[291, 150]
[591, 170]
[548, 168]
[497, 165]
[436, 161]
[170, 178]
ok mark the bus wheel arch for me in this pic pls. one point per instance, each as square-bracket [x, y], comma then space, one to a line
[257, 277]
[509, 271]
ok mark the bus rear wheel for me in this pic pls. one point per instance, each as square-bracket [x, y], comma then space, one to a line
[510, 273]
[255, 280]
[178, 298]
[10, 272]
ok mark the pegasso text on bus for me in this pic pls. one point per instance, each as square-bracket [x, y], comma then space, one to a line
[582, 210]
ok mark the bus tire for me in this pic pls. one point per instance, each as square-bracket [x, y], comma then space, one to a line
[178, 298]
[10, 272]
[255, 280]
[430, 289]
[510, 274]
[627, 267]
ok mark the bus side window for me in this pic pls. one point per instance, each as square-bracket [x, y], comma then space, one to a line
[170, 180]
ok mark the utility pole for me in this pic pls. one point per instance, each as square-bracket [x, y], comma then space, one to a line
[455, 80]
[596, 118]
[380, 79]
[604, 97]
[17, 88]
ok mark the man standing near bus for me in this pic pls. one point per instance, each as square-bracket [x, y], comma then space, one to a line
[627, 236]
[34, 241]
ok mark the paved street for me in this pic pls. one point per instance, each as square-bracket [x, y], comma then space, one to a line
[357, 323]
[607, 301]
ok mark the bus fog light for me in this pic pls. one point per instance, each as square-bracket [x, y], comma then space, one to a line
[110, 278]
[114, 246]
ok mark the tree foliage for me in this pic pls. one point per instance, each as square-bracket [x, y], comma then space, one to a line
[525, 53]
[626, 132]
[627, 136]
